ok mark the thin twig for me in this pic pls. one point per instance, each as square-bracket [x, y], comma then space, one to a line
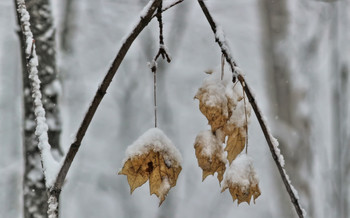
[269, 138]
[143, 22]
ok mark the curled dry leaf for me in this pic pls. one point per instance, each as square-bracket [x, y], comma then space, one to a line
[241, 180]
[152, 157]
[210, 154]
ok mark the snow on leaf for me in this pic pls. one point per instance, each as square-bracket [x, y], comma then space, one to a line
[241, 180]
[213, 102]
[210, 154]
[152, 158]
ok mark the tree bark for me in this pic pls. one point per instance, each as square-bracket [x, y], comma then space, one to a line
[34, 190]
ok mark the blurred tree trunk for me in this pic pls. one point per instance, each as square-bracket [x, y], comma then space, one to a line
[34, 191]
[68, 26]
[286, 100]
[340, 76]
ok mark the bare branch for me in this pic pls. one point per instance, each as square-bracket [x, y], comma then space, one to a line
[269, 138]
[143, 22]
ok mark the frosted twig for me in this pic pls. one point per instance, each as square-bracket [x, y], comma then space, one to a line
[272, 142]
[145, 18]
[50, 165]
[162, 49]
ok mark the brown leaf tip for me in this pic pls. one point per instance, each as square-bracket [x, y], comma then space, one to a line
[241, 180]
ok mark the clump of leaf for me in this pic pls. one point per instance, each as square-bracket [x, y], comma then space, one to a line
[210, 154]
[241, 180]
[152, 157]
[224, 105]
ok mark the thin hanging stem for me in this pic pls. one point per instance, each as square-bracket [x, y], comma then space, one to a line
[222, 66]
[155, 95]
[246, 122]
[161, 52]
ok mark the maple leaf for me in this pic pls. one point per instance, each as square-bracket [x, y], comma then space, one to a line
[241, 180]
[151, 166]
[152, 157]
[210, 154]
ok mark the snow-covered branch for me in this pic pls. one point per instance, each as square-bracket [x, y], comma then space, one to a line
[145, 18]
[271, 141]
[50, 165]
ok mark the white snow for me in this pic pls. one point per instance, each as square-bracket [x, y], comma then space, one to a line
[146, 9]
[54, 88]
[164, 187]
[50, 166]
[213, 90]
[219, 93]
[52, 204]
[154, 139]
[48, 34]
[295, 192]
[152, 64]
[274, 141]
[277, 149]
[220, 35]
[210, 144]
[241, 172]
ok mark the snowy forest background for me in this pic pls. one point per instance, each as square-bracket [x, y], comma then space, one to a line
[296, 56]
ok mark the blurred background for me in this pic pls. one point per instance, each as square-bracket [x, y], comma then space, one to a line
[295, 54]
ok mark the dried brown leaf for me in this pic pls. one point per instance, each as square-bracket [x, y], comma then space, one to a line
[213, 108]
[212, 161]
[151, 166]
[241, 180]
